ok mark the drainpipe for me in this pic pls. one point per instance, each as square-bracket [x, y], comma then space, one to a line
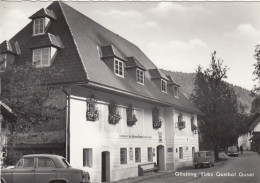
[67, 128]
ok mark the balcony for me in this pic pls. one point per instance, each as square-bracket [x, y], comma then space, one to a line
[194, 128]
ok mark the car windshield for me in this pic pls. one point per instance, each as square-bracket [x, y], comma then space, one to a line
[200, 154]
[232, 148]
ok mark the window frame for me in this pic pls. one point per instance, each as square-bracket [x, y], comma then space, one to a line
[34, 26]
[87, 157]
[117, 67]
[164, 85]
[123, 156]
[150, 154]
[180, 152]
[140, 76]
[37, 163]
[49, 57]
[137, 154]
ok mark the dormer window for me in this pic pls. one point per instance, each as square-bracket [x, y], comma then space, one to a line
[140, 76]
[42, 57]
[39, 26]
[164, 85]
[3, 58]
[41, 20]
[119, 67]
[175, 90]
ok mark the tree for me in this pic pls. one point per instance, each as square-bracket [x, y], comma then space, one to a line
[35, 103]
[218, 104]
[255, 93]
[26, 92]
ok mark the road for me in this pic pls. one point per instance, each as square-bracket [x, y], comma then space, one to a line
[242, 169]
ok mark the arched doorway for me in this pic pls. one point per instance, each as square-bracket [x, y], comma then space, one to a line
[105, 166]
[160, 158]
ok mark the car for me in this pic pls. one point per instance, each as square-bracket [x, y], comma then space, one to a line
[232, 151]
[43, 168]
[203, 158]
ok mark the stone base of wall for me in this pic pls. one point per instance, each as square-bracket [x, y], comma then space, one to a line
[183, 164]
[170, 166]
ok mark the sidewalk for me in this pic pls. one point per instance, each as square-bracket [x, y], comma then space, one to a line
[175, 179]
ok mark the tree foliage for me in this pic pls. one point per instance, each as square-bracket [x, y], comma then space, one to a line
[218, 103]
[26, 92]
[255, 93]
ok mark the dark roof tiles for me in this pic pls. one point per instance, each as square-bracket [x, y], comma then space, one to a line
[132, 62]
[157, 74]
[43, 13]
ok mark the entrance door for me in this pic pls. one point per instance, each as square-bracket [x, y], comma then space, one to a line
[105, 167]
[160, 158]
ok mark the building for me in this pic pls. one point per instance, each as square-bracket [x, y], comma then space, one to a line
[251, 140]
[254, 130]
[122, 111]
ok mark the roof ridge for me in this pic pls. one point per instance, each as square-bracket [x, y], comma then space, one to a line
[80, 56]
[115, 34]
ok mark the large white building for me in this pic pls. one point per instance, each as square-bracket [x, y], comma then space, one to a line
[122, 111]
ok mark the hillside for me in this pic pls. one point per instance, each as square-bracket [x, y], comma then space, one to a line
[186, 82]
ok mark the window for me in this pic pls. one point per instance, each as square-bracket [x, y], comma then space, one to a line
[164, 85]
[45, 163]
[150, 154]
[41, 57]
[119, 68]
[138, 154]
[38, 26]
[193, 152]
[180, 152]
[123, 156]
[87, 157]
[28, 162]
[175, 90]
[140, 76]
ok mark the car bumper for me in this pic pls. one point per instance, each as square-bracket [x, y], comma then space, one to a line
[202, 163]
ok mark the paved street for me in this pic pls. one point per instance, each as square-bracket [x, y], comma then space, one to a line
[245, 168]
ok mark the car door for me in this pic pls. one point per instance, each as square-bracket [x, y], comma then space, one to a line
[45, 170]
[24, 171]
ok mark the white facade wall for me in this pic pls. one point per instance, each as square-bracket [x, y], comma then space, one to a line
[245, 142]
[101, 136]
[184, 138]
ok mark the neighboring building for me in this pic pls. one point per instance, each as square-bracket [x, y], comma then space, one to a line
[254, 129]
[122, 111]
[251, 139]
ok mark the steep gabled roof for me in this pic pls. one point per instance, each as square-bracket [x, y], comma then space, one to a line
[46, 40]
[171, 81]
[43, 13]
[132, 63]
[157, 74]
[10, 47]
[253, 121]
[82, 62]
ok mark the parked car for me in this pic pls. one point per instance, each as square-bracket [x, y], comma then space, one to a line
[202, 158]
[43, 168]
[232, 151]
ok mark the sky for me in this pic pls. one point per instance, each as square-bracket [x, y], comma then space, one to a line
[176, 36]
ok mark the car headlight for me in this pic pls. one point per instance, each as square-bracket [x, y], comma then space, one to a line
[85, 176]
